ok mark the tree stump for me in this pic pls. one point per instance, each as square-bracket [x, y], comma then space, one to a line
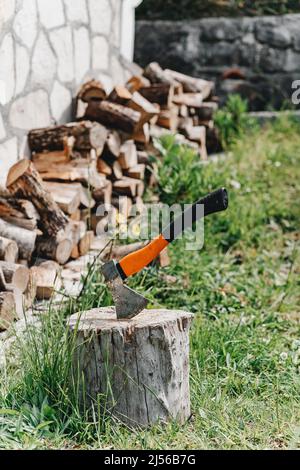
[138, 367]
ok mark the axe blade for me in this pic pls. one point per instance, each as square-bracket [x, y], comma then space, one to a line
[128, 303]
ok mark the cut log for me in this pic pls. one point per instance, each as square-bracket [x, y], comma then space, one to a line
[136, 82]
[66, 196]
[50, 157]
[161, 93]
[147, 109]
[13, 277]
[46, 279]
[25, 239]
[128, 155]
[7, 310]
[198, 134]
[9, 250]
[78, 171]
[168, 118]
[120, 95]
[114, 115]
[125, 187]
[191, 84]
[141, 366]
[117, 171]
[136, 172]
[191, 100]
[142, 135]
[112, 147]
[119, 252]
[85, 243]
[23, 181]
[103, 195]
[87, 135]
[92, 90]
[156, 74]
[53, 249]
[103, 167]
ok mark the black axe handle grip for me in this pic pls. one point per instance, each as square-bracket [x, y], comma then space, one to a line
[214, 202]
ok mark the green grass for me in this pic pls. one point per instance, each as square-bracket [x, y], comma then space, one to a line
[243, 288]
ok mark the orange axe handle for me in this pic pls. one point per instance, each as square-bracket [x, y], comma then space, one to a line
[135, 262]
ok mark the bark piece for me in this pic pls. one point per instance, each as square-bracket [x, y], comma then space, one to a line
[23, 181]
[114, 115]
[141, 366]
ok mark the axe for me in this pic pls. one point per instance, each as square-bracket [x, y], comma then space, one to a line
[128, 302]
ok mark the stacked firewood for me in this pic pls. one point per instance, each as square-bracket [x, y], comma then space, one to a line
[48, 210]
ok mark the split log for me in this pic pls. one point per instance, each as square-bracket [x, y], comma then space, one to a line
[147, 109]
[7, 310]
[112, 147]
[136, 82]
[66, 196]
[128, 155]
[92, 90]
[25, 239]
[104, 194]
[23, 181]
[198, 134]
[77, 171]
[85, 243]
[125, 187]
[103, 167]
[117, 171]
[142, 135]
[87, 135]
[9, 250]
[58, 156]
[191, 84]
[168, 118]
[191, 100]
[46, 279]
[114, 115]
[141, 366]
[13, 277]
[136, 172]
[161, 93]
[119, 252]
[120, 95]
[53, 249]
[156, 74]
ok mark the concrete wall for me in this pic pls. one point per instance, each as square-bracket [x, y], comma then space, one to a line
[47, 49]
[266, 51]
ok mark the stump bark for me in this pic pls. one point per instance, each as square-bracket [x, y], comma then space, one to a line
[139, 367]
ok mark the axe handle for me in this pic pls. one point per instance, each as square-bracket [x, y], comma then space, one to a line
[135, 262]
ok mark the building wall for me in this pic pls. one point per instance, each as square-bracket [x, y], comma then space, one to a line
[47, 49]
[264, 50]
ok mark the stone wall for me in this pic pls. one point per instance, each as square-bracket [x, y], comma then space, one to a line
[47, 49]
[256, 57]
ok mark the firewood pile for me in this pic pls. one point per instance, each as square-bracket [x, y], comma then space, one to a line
[48, 210]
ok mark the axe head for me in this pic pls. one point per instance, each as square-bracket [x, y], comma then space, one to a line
[128, 303]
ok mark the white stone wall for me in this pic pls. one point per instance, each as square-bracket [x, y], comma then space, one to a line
[47, 49]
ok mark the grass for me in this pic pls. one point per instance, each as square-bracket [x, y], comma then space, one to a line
[243, 288]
